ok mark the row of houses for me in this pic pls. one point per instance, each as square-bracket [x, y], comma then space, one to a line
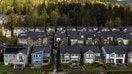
[92, 54]
[20, 55]
[71, 35]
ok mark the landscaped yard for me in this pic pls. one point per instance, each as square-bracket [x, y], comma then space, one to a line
[9, 70]
[94, 67]
[111, 67]
[22, 72]
[3, 67]
[67, 67]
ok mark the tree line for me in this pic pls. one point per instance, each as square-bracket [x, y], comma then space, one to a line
[67, 14]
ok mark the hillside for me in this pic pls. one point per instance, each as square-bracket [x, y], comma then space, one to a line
[8, 5]
[65, 13]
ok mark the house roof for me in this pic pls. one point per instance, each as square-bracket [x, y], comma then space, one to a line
[93, 48]
[41, 28]
[81, 28]
[14, 49]
[45, 49]
[71, 28]
[32, 35]
[60, 35]
[127, 48]
[111, 49]
[69, 49]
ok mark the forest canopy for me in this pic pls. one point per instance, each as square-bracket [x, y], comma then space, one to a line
[66, 13]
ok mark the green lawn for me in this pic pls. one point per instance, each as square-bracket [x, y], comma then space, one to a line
[21, 72]
[67, 67]
[9, 70]
[94, 67]
[3, 67]
[110, 67]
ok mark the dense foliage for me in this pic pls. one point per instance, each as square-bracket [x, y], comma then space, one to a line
[76, 13]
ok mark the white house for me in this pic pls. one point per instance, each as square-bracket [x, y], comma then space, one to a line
[18, 30]
[113, 54]
[6, 32]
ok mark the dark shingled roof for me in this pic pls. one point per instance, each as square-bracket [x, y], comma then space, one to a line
[33, 35]
[127, 48]
[117, 49]
[14, 49]
[45, 49]
[70, 49]
[93, 48]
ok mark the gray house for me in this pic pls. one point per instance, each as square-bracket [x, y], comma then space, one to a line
[113, 54]
[40, 29]
[91, 54]
[17, 55]
[128, 51]
[32, 38]
[70, 54]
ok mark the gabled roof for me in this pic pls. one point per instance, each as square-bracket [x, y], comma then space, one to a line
[60, 28]
[45, 49]
[60, 35]
[14, 49]
[111, 49]
[41, 28]
[81, 28]
[32, 35]
[127, 48]
[70, 28]
[70, 49]
[93, 48]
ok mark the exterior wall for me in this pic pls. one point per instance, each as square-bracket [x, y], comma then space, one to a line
[46, 57]
[73, 41]
[129, 59]
[75, 57]
[65, 58]
[8, 59]
[114, 58]
[89, 58]
[69, 58]
[37, 60]
[15, 59]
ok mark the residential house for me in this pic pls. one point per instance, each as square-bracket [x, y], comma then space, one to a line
[18, 30]
[40, 55]
[60, 38]
[128, 51]
[60, 29]
[70, 54]
[40, 29]
[71, 28]
[81, 29]
[113, 54]
[91, 54]
[3, 19]
[88, 37]
[6, 32]
[92, 28]
[17, 55]
[28, 29]
[75, 39]
[32, 38]
[50, 30]
[104, 29]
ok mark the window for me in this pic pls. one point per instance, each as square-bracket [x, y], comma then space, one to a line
[119, 55]
[6, 55]
[36, 56]
[111, 60]
[45, 61]
[112, 55]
